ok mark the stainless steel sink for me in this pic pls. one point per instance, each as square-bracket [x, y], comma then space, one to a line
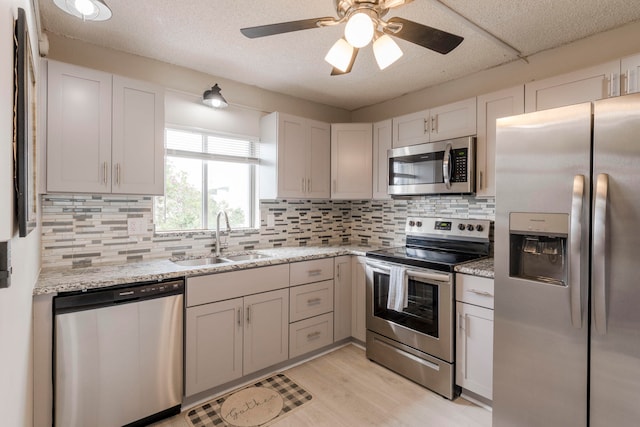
[201, 261]
[245, 257]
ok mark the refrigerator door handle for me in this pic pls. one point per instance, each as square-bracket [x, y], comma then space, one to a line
[575, 243]
[599, 246]
[446, 166]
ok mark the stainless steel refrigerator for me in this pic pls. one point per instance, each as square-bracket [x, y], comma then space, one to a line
[567, 267]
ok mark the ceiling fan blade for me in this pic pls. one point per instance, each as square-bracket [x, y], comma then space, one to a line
[283, 27]
[431, 38]
[338, 72]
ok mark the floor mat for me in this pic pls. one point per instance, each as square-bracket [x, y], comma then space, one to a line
[256, 405]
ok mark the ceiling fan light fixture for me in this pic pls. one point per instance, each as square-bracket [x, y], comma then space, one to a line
[386, 51]
[340, 55]
[213, 98]
[393, 3]
[87, 10]
[359, 30]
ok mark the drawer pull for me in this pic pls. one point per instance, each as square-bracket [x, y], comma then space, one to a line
[314, 301]
[479, 292]
[313, 335]
[316, 272]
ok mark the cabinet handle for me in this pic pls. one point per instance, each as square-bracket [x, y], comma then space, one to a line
[309, 185]
[426, 125]
[334, 186]
[613, 82]
[480, 292]
[104, 173]
[460, 322]
[239, 316]
[303, 185]
[338, 272]
[314, 301]
[313, 335]
[315, 272]
[248, 315]
[480, 180]
[434, 124]
[118, 174]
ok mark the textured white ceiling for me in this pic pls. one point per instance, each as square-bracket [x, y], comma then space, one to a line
[205, 35]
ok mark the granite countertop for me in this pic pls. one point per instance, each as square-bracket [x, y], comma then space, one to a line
[482, 267]
[55, 280]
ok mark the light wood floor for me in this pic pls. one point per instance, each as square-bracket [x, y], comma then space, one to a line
[349, 390]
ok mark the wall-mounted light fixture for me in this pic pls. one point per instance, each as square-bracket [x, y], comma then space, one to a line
[87, 10]
[213, 98]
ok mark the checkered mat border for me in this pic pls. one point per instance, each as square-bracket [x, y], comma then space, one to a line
[293, 395]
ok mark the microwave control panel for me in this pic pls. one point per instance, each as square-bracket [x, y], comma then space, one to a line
[459, 173]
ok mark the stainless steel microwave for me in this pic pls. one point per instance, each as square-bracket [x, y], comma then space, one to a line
[434, 168]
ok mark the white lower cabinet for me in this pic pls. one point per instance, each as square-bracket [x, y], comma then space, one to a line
[236, 323]
[228, 339]
[474, 334]
[310, 334]
[358, 296]
[342, 298]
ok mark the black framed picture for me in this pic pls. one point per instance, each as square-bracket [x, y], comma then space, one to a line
[24, 125]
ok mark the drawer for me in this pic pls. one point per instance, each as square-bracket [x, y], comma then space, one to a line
[234, 284]
[474, 290]
[310, 271]
[310, 334]
[310, 300]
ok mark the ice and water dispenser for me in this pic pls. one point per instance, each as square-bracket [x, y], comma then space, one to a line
[538, 247]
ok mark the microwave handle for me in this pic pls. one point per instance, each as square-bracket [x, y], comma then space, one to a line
[446, 166]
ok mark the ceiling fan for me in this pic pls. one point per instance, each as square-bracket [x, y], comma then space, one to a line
[365, 24]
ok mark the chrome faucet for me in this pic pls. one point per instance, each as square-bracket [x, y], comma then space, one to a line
[226, 219]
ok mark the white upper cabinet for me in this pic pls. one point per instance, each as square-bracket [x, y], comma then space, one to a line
[492, 106]
[381, 144]
[294, 157]
[589, 84]
[105, 133]
[453, 120]
[630, 70]
[437, 124]
[351, 161]
[137, 148]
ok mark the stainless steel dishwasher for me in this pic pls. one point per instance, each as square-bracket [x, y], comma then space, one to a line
[118, 355]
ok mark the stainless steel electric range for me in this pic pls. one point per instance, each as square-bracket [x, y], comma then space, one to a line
[410, 298]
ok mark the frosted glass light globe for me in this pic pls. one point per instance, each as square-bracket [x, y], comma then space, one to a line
[85, 7]
[359, 30]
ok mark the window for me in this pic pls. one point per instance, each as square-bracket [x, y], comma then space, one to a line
[204, 174]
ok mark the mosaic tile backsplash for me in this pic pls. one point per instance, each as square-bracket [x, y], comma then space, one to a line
[86, 230]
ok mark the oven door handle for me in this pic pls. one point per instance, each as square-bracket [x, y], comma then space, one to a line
[386, 269]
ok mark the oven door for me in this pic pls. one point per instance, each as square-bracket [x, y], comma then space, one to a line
[426, 323]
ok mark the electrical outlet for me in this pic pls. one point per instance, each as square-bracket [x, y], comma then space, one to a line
[136, 226]
[271, 220]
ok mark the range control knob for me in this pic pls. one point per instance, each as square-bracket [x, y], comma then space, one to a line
[412, 223]
[479, 227]
[470, 227]
[461, 227]
[419, 224]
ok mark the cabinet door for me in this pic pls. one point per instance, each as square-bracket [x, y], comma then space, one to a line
[266, 331]
[590, 84]
[474, 349]
[319, 161]
[492, 106]
[358, 300]
[137, 137]
[342, 298]
[453, 120]
[213, 345]
[410, 129]
[630, 70]
[78, 129]
[293, 152]
[351, 161]
[381, 144]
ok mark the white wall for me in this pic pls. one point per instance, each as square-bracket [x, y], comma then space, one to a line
[239, 95]
[16, 373]
[583, 53]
